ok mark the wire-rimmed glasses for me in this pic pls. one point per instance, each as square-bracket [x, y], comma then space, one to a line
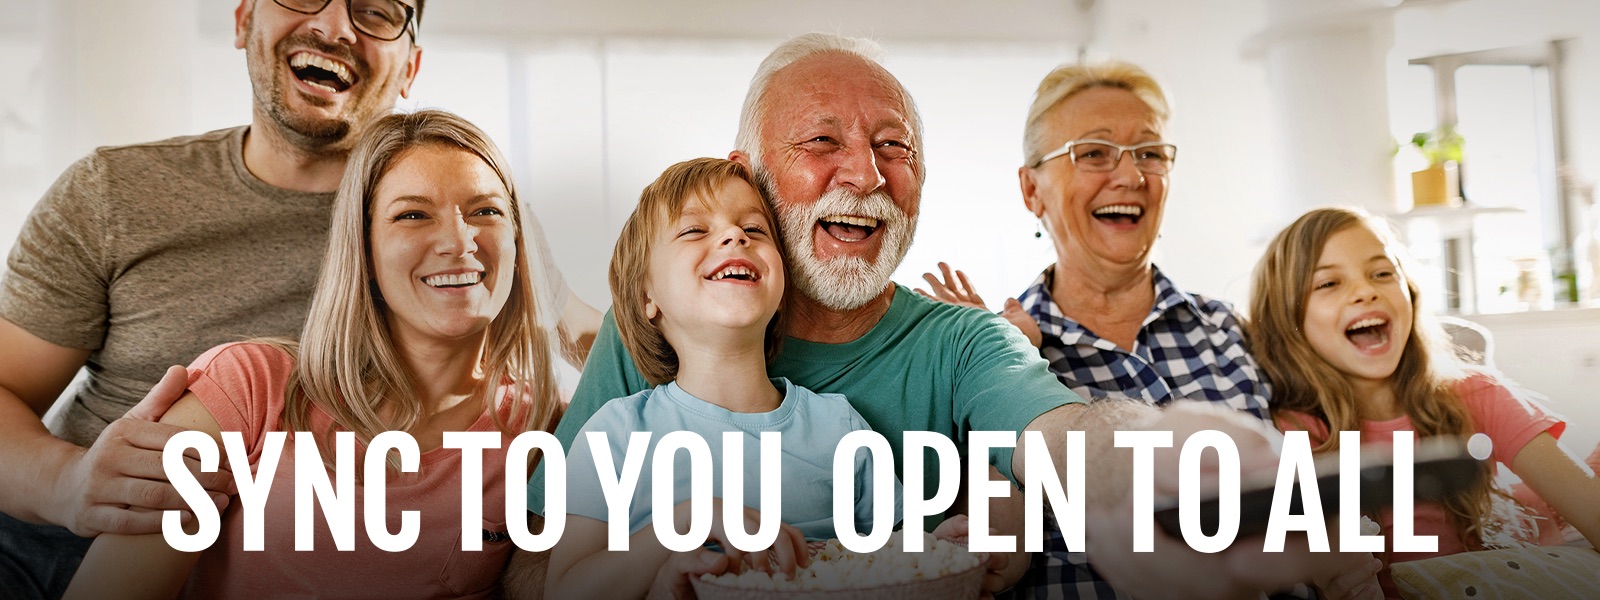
[1099, 156]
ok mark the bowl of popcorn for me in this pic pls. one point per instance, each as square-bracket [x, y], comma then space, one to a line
[942, 571]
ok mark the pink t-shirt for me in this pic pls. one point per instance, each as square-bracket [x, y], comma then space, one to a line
[1510, 421]
[242, 385]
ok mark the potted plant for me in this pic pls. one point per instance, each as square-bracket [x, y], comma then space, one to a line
[1439, 184]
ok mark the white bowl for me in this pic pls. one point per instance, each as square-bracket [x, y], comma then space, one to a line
[961, 585]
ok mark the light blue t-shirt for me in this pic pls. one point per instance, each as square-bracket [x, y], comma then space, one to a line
[812, 426]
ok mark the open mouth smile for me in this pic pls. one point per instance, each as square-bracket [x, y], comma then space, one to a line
[849, 228]
[735, 270]
[321, 72]
[1369, 334]
[1119, 214]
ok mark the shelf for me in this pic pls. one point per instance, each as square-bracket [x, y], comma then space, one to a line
[1562, 315]
[1452, 212]
[1454, 229]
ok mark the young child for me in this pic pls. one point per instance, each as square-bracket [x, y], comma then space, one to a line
[1337, 328]
[696, 281]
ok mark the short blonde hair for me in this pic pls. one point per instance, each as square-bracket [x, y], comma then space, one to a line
[661, 203]
[1067, 80]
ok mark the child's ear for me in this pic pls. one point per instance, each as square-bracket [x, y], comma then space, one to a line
[651, 311]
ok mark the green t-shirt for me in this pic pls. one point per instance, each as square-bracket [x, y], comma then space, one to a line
[926, 366]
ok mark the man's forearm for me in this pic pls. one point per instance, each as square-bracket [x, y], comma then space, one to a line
[525, 574]
[1108, 468]
[31, 461]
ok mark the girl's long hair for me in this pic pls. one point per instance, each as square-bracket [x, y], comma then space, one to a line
[1424, 382]
[346, 363]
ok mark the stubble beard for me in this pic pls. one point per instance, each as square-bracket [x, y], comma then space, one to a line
[841, 283]
[307, 132]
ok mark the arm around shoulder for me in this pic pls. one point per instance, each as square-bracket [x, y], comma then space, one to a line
[143, 566]
[33, 373]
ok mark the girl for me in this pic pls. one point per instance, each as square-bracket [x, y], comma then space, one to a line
[1337, 327]
[424, 321]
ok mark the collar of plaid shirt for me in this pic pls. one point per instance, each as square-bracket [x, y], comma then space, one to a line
[1236, 382]
[1188, 347]
[1054, 325]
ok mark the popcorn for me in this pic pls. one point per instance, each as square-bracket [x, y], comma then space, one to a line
[1369, 527]
[833, 567]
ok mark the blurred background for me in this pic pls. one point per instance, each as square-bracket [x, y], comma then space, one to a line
[1279, 106]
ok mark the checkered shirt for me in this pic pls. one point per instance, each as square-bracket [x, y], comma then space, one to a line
[1189, 347]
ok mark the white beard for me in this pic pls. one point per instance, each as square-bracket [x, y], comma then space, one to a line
[846, 282]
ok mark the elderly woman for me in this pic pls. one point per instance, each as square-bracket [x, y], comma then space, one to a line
[1108, 321]
[424, 321]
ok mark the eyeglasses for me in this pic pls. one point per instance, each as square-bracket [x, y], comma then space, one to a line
[1099, 156]
[384, 20]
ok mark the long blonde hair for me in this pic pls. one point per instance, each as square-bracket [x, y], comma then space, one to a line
[346, 363]
[1302, 381]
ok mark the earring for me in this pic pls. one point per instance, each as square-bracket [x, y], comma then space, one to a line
[1038, 230]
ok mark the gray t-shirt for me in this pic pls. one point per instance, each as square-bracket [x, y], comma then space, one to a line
[148, 255]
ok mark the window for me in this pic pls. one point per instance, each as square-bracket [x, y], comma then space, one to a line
[1510, 246]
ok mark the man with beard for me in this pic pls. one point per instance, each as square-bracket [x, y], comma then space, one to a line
[836, 141]
[144, 256]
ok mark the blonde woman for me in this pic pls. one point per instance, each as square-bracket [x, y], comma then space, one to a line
[424, 321]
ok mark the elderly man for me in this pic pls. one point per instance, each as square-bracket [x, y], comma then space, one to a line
[837, 141]
[145, 256]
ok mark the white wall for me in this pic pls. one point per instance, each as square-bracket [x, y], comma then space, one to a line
[1220, 207]
[22, 133]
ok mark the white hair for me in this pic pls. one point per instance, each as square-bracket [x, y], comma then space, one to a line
[800, 47]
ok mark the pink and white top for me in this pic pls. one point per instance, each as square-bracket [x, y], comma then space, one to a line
[242, 385]
[1510, 421]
